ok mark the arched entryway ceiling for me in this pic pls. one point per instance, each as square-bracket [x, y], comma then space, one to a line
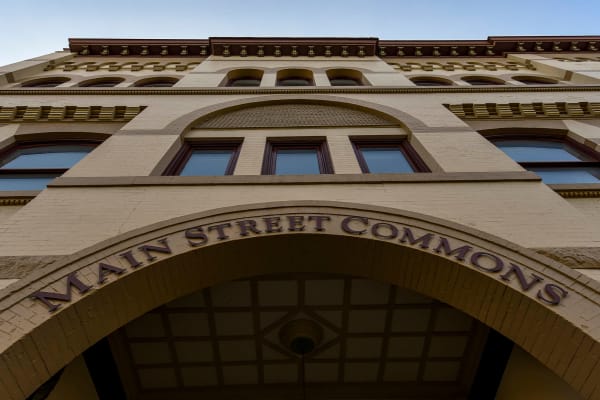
[548, 309]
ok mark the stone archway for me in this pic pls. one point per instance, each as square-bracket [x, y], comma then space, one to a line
[53, 315]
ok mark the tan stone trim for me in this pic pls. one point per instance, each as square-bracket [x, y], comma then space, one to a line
[577, 190]
[11, 201]
[143, 64]
[325, 179]
[558, 110]
[433, 64]
[574, 257]
[17, 197]
[182, 124]
[69, 113]
[300, 90]
[19, 267]
[54, 339]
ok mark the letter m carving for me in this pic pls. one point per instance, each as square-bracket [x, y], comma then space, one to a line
[72, 281]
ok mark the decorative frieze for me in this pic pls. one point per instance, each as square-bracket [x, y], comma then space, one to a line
[525, 110]
[114, 66]
[69, 113]
[429, 66]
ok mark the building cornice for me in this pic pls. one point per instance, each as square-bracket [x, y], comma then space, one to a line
[493, 46]
[133, 91]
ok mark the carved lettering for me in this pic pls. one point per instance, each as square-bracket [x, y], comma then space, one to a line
[220, 230]
[348, 229]
[518, 272]
[319, 219]
[246, 226]
[296, 223]
[272, 224]
[552, 294]
[72, 281]
[459, 253]
[196, 236]
[147, 249]
[105, 269]
[408, 236]
[498, 263]
[133, 262]
[392, 231]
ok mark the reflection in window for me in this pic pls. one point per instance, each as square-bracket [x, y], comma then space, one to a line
[164, 82]
[295, 77]
[387, 157]
[297, 158]
[534, 80]
[102, 83]
[476, 81]
[555, 161]
[244, 78]
[205, 159]
[31, 167]
[294, 81]
[44, 83]
[430, 82]
[244, 82]
[345, 77]
[344, 82]
[207, 162]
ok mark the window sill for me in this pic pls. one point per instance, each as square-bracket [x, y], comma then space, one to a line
[419, 177]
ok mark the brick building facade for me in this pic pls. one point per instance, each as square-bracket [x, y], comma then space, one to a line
[304, 217]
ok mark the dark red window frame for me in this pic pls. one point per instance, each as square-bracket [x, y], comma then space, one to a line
[183, 155]
[320, 146]
[417, 164]
[594, 157]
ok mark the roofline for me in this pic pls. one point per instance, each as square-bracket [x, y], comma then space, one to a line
[493, 46]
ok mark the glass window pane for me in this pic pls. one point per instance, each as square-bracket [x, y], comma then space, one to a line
[568, 175]
[344, 82]
[25, 182]
[207, 163]
[47, 157]
[539, 151]
[297, 162]
[385, 159]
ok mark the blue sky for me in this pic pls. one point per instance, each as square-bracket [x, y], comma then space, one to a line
[35, 27]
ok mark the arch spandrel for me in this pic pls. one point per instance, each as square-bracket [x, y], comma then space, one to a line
[499, 283]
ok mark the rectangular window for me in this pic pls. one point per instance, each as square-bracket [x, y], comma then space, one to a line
[387, 156]
[555, 160]
[296, 158]
[205, 159]
[31, 166]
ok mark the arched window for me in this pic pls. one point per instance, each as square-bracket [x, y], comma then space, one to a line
[31, 166]
[554, 160]
[244, 78]
[534, 80]
[156, 82]
[295, 77]
[103, 82]
[45, 82]
[345, 77]
[482, 80]
[430, 81]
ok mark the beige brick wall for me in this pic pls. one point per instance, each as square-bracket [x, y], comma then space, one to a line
[64, 220]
